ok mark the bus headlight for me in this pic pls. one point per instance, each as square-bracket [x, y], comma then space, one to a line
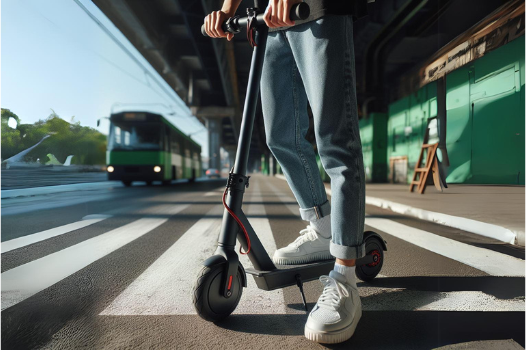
[157, 169]
[110, 169]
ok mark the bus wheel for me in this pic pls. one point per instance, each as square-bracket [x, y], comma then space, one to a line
[167, 182]
[126, 183]
[149, 183]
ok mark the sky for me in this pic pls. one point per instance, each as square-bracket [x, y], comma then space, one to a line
[54, 56]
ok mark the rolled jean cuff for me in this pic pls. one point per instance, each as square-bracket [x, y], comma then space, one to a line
[316, 212]
[347, 253]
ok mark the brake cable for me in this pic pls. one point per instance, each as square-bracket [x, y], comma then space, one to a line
[251, 26]
[231, 212]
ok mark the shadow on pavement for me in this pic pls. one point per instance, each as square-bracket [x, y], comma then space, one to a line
[397, 329]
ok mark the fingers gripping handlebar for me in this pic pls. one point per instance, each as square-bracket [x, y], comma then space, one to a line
[234, 24]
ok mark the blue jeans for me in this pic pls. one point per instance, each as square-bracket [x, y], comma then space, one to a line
[314, 62]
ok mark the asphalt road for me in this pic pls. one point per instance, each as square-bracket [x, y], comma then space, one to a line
[114, 268]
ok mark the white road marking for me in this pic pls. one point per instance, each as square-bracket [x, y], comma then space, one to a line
[477, 227]
[57, 231]
[255, 300]
[26, 280]
[165, 288]
[491, 262]
[294, 208]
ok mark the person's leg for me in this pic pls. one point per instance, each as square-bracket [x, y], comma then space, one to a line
[284, 105]
[324, 53]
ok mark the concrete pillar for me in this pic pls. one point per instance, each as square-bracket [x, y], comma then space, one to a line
[214, 143]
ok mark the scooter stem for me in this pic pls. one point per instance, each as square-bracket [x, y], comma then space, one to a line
[251, 100]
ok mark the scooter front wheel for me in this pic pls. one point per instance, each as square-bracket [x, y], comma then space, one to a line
[209, 301]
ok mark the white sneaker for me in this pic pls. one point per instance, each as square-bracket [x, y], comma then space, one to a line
[337, 312]
[308, 247]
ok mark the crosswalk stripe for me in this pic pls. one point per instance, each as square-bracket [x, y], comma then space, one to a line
[57, 231]
[165, 288]
[255, 300]
[26, 280]
[491, 262]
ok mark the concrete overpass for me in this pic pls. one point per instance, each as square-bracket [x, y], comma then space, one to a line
[211, 76]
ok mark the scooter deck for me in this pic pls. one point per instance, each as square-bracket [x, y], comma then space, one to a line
[285, 275]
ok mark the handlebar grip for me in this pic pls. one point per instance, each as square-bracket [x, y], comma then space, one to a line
[299, 11]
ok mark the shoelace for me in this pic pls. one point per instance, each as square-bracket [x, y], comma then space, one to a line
[307, 234]
[332, 294]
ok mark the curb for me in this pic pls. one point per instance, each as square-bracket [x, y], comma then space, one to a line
[477, 227]
[36, 191]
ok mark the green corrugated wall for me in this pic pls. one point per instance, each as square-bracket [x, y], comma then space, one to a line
[485, 120]
[485, 106]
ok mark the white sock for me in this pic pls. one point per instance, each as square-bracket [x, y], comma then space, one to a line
[348, 271]
[323, 226]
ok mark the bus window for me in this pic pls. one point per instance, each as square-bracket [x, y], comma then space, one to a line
[176, 148]
[130, 135]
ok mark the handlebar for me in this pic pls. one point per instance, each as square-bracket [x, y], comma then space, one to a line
[234, 24]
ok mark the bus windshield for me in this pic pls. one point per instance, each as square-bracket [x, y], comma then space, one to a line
[134, 136]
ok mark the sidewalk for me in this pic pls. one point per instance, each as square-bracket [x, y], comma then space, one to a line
[496, 211]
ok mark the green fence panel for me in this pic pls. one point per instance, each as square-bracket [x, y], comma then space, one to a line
[373, 134]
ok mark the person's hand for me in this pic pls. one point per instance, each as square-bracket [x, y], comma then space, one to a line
[277, 13]
[213, 24]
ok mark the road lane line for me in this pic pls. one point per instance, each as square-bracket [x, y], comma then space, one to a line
[26, 280]
[57, 231]
[165, 288]
[491, 262]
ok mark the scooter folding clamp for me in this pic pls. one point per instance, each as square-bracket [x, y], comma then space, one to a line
[237, 182]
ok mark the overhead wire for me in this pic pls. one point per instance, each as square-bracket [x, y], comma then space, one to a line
[132, 56]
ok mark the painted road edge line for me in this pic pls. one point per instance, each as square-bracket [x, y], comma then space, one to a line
[469, 225]
[489, 261]
[53, 232]
[36, 191]
[478, 227]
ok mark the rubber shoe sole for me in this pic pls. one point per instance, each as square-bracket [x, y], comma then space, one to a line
[334, 337]
[304, 259]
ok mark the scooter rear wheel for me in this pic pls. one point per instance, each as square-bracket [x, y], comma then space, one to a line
[368, 272]
[208, 298]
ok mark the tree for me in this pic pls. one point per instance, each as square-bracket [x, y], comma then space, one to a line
[85, 143]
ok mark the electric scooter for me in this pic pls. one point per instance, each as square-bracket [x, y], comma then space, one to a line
[220, 282]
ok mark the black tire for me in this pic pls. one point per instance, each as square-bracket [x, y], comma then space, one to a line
[167, 182]
[126, 183]
[149, 183]
[369, 271]
[208, 299]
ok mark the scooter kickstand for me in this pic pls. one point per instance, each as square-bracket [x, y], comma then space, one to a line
[299, 283]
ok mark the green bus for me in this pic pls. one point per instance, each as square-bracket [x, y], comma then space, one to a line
[144, 146]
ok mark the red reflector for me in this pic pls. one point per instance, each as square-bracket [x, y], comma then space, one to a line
[229, 282]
